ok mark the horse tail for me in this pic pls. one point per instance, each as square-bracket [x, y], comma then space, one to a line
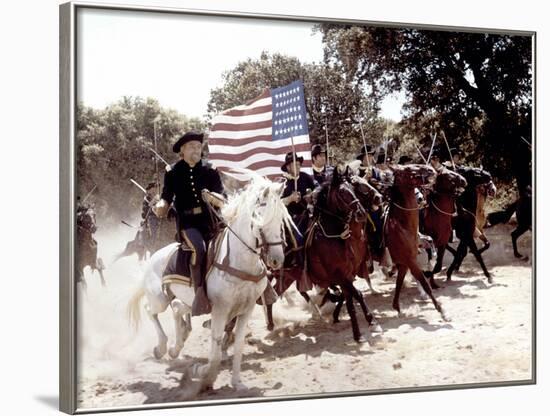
[133, 308]
[502, 217]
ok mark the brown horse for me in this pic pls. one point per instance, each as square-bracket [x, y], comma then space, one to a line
[87, 245]
[336, 248]
[438, 214]
[401, 226]
[522, 207]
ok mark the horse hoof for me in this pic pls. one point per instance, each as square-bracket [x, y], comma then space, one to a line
[444, 316]
[206, 324]
[490, 279]
[434, 285]
[270, 327]
[239, 385]
[377, 329]
[159, 352]
[361, 340]
[173, 353]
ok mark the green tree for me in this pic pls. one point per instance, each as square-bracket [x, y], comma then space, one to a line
[332, 101]
[478, 84]
[113, 146]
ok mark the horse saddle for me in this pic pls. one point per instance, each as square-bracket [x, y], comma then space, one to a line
[177, 269]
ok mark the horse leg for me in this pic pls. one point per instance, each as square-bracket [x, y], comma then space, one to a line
[182, 331]
[368, 315]
[437, 268]
[515, 235]
[354, 325]
[82, 280]
[209, 372]
[314, 307]
[486, 243]
[401, 272]
[420, 278]
[477, 255]
[240, 329]
[229, 337]
[161, 348]
[461, 252]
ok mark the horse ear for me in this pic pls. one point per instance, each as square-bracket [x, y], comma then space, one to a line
[336, 175]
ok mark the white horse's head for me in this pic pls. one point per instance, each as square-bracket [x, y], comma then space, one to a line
[260, 216]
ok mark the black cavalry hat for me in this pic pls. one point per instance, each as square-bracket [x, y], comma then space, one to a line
[361, 155]
[404, 159]
[317, 149]
[187, 137]
[289, 159]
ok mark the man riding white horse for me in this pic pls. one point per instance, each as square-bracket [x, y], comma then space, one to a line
[185, 182]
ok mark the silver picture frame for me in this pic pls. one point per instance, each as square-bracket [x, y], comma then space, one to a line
[68, 75]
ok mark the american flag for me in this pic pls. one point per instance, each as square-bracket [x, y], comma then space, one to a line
[258, 134]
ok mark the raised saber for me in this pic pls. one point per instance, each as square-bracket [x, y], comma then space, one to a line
[432, 148]
[420, 153]
[89, 193]
[139, 186]
[326, 139]
[449, 149]
[159, 156]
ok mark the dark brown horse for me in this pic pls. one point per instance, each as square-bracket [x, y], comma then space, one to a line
[336, 249]
[522, 207]
[466, 221]
[401, 227]
[438, 213]
[87, 245]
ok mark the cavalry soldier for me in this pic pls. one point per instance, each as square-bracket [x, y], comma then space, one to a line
[299, 186]
[185, 182]
[321, 171]
[295, 191]
[150, 223]
[366, 156]
[436, 158]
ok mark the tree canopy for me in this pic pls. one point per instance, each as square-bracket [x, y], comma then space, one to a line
[478, 85]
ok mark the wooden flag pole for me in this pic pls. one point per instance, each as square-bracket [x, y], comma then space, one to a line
[364, 142]
[294, 161]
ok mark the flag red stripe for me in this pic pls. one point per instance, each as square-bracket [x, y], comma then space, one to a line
[242, 126]
[267, 164]
[239, 142]
[304, 147]
[249, 112]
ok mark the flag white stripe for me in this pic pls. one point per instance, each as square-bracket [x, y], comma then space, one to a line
[254, 118]
[259, 103]
[235, 150]
[257, 157]
[269, 171]
[245, 134]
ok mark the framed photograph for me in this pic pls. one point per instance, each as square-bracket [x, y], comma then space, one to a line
[259, 207]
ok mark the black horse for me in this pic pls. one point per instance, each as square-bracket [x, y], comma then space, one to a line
[87, 245]
[465, 222]
[522, 207]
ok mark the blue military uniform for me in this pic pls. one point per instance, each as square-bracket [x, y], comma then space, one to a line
[183, 185]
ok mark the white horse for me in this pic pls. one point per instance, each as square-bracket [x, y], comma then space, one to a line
[256, 219]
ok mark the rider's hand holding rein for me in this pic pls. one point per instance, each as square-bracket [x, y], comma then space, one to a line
[293, 197]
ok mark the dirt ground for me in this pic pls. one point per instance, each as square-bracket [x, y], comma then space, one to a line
[489, 337]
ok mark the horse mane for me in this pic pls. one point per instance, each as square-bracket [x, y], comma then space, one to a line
[243, 203]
